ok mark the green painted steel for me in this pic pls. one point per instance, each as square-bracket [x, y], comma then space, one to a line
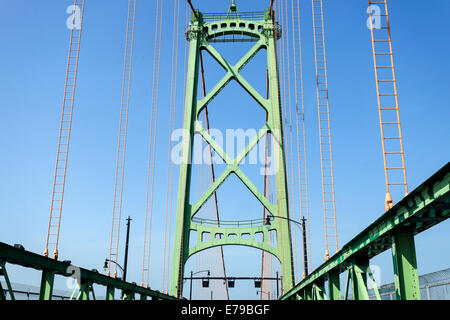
[374, 284]
[47, 280]
[85, 290]
[319, 291]
[129, 296]
[426, 206]
[204, 30]
[110, 290]
[4, 273]
[405, 267]
[359, 279]
[50, 268]
[334, 286]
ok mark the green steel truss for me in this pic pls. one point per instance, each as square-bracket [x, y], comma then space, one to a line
[86, 278]
[204, 30]
[422, 209]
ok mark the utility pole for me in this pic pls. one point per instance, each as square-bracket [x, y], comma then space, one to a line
[126, 250]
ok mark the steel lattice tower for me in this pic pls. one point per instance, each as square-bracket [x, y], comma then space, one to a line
[203, 30]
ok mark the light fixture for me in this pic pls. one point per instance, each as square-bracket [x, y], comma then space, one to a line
[230, 283]
[258, 283]
[267, 223]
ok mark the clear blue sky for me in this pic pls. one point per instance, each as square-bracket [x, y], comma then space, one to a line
[33, 62]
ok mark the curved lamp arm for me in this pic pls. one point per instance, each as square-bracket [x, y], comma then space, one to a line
[271, 218]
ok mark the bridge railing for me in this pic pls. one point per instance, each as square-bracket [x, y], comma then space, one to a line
[253, 16]
[425, 207]
[229, 224]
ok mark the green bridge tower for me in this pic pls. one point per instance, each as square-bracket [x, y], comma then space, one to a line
[203, 30]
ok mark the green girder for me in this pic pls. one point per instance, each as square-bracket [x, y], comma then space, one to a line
[201, 34]
[425, 207]
[50, 268]
[4, 273]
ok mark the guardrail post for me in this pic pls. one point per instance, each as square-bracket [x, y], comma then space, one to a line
[359, 281]
[405, 267]
[47, 280]
[334, 285]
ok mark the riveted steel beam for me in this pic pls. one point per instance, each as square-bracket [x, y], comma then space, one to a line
[394, 229]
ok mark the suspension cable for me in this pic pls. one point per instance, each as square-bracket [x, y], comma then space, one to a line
[152, 149]
[388, 104]
[192, 8]
[122, 143]
[59, 182]
[265, 182]
[290, 152]
[212, 169]
[300, 120]
[323, 108]
[173, 102]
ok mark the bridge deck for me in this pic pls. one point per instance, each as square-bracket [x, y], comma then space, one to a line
[426, 206]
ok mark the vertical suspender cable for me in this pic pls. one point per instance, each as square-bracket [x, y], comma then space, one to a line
[122, 143]
[64, 131]
[265, 184]
[301, 130]
[173, 102]
[331, 238]
[284, 90]
[212, 170]
[388, 106]
[289, 131]
[152, 144]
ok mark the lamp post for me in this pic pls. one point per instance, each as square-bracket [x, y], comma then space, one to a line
[302, 226]
[124, 269]
[105, 266]
[125, 265]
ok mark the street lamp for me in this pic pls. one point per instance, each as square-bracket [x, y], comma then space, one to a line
[270, 218]
[105, 266]
[302, 226]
